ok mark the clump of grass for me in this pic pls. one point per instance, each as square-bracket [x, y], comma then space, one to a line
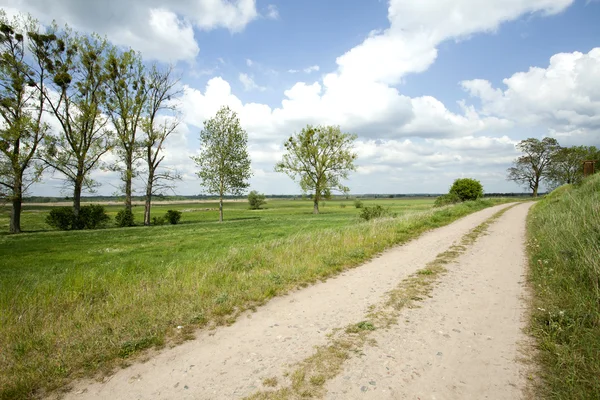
[108, 295]
[564, 249]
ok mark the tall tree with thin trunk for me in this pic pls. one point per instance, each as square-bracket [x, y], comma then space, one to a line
[320, 157]
[159, 123]
[75, 94]
[126, 99]
[223, 161]
[532, 167]
[21, 108]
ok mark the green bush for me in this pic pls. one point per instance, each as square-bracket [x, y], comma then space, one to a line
[158, 220]
[173, 216]
[61, 218]
[92, 216]
[125, 218]
[467, 189]
[256, 200]
[369, 213]
[358, 203]
[447, 199]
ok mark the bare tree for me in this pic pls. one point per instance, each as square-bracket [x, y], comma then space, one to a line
[160, 122]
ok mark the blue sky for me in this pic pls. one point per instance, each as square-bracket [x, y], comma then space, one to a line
[435, 89]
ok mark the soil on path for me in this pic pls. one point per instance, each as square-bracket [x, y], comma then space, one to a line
[462, 343]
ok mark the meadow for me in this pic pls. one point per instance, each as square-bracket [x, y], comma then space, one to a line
[564, 244]
[79, 303]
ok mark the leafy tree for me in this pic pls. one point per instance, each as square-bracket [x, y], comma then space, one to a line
[223, 161]
[157, 127]
[75, 94]
[256, 200]
[21, 108]
[467, 189]
[125, 100]
[567, 164]
[320, 157]
[531, 168]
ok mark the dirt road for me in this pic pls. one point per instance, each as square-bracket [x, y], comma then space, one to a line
[462, 343]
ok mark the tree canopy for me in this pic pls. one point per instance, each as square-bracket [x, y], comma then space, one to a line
[319, 158]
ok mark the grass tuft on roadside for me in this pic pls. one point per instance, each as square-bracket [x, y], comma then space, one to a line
[76, 304]
[564, 249]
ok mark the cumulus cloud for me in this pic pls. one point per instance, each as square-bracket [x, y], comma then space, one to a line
[563, 97]
[161, 30]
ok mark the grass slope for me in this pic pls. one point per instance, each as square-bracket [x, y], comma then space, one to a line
[564, 244]
[77, 303]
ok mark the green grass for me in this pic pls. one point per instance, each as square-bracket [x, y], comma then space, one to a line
[78, 303]
[564, 245]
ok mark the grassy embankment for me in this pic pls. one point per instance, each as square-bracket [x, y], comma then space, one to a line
[76, 303]
[564, 243]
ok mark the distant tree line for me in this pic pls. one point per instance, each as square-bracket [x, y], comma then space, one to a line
[546, 161]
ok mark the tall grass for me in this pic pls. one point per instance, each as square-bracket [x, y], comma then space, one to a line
[60, 321]
[564, 243]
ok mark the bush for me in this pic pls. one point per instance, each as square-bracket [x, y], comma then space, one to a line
[124, 218]
[358, 203]
[92, 216]
[467, 189]
[173, 216]
[61, 218]
[447, 199]
[158, 220]
[369, 213]
[256, 200]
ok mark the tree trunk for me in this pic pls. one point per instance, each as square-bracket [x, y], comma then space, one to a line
[221, 209]
[128, 176]
[15, 214]
[535, 190]
[77, 195]
[148, 198]
[316, 205]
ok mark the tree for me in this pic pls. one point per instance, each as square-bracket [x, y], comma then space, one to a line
[567, 165]
[319, 157]
[75, 93]
[467, 189]
[125, 100]
[531, 168]
[157, 127]
[21, 109]
[256, 200]
[223, 161]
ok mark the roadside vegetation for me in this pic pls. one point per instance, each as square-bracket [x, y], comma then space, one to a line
[564, 245]
[82, 302]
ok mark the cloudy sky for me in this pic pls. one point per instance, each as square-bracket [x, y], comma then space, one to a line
[435, 89]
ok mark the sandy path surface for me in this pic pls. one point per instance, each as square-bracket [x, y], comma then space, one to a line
[479, 298]
[463, 343]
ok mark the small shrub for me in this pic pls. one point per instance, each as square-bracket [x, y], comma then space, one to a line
[61, 218]
[158, 220]
[342, 205]
[369, 213]
[125, 218]
[467, 189]
[447, 199]
[173, 216]
[92, 216]
[358, 203]
[256, 200]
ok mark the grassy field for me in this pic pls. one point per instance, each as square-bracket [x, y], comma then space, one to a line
[77, 303]
[564, 242]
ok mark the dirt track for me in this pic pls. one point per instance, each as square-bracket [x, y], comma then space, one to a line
[460, 344]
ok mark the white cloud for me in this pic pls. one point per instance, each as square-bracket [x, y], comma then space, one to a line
[161, 30]
[272, 12]
[564, 97]
[314, 68]
[249, 83]
[249, 62]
